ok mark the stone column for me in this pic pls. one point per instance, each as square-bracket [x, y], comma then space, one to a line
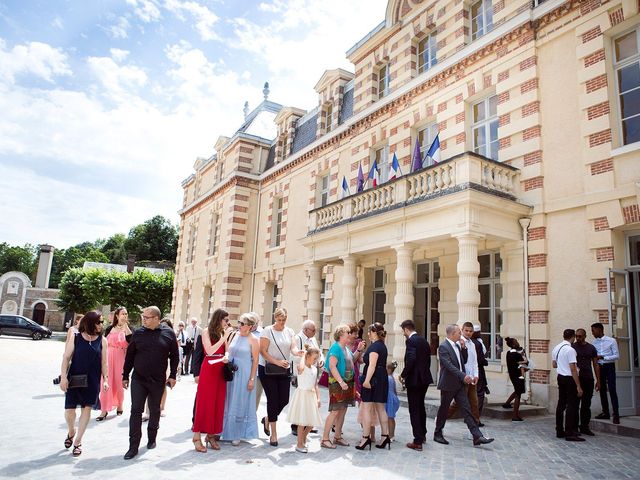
[314, 305]
[403, 300]
[468, 297]
[349, 284]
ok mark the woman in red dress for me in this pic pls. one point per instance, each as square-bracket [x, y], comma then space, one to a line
[212, 388]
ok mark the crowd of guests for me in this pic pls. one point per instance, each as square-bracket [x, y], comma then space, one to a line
[232, 366]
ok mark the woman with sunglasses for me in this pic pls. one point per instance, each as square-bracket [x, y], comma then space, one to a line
[212, 388]
[240, 419]
[84, 362]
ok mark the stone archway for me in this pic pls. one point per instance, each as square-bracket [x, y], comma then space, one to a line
[39, 311]
[9, 307]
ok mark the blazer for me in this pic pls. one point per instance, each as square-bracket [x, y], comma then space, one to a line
[451, 376]
[417, 362]
[197, 357]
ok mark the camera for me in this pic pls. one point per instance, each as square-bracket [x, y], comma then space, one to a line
[56, 381]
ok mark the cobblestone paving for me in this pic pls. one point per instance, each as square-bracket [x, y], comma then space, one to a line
[33, 430]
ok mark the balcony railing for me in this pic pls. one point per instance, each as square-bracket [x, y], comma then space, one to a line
[464, 171]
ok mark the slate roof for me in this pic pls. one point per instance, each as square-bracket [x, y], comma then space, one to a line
[271, 157]
[346, 110]
[305, 133]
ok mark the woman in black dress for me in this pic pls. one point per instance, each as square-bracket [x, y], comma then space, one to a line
[375, 387]
[514, 362]
[84, 362]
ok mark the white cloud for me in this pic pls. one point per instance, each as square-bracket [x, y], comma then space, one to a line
[119, 81]
[57, 22]
[33, 58]
[205, 18]
[119, 55]
[146, 10]
[120, 29]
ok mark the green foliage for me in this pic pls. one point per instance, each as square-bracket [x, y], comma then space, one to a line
[18, 259]
[83, 290]
[114, 249]
[156, 239]
[74, 257]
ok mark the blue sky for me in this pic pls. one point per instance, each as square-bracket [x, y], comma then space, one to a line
[107, 103]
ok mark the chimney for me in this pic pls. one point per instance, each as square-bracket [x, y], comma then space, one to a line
[44, 266]
[131, 263]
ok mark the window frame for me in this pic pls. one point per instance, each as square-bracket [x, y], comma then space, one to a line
[486, 124]
[424, 146]
[431, 47]
[323, 190]
[213, 233]
[485, 12]
[494, 306]
[617, 66]
[276, 227]
[323, 298]
[384, 81]
[381, 155]
[375, 291]
[328, 117]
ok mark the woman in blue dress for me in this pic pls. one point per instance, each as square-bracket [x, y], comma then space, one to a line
[84, 362]
[240, 420]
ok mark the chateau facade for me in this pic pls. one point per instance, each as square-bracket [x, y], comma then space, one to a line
[528, 224]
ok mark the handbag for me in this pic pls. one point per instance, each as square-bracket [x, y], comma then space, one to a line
[273, 370]
[78, 381]
[228, 371]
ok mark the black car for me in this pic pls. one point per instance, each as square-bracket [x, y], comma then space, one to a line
[20, 326]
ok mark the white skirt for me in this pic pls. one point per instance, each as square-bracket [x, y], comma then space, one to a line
[303, 409]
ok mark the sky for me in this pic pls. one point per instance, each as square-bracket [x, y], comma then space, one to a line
[107, 104]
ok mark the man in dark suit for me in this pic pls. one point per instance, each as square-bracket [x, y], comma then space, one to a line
[197, 358]
[416, 376]
[481, 352]
[451, 384]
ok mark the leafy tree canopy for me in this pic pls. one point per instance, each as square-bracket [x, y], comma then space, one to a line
[20, 259]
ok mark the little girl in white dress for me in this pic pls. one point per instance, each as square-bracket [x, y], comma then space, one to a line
[305, 405]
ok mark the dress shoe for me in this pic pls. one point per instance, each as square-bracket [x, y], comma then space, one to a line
[506, 405]
[440, 439]
[132, 452]
[587, 431]
[315, 430]
[517, 419]
[574, 438]
[480, 424]
[151, 445]
[415, 446]
[560, 435]
[602, 416]
[482, 441]
[616, 419]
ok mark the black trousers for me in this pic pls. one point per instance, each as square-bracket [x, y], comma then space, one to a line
[276, 388]
[567, 407]
[608, 383]
[187, 350]
[584, 403]
[417, 412]
[482, 391]
[144, 390]
[460, 396]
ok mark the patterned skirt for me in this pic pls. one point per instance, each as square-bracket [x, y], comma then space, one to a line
[340, 399]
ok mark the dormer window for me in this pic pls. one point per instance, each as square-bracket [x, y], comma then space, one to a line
[481, 18]
[384, 79]
[427, 53]
[328, 118]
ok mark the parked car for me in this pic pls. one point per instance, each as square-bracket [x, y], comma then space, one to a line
[20, 326]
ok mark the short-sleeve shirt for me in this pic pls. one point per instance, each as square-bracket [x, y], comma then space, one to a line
[564, 356]
[585, 355]
[283, 339]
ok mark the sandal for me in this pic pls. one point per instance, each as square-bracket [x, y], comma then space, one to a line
[197, 443]
[77, 450]
[340, 441]
[102, 417]
[211, 440]
[119, 412]
[69, 440]
[326, 443]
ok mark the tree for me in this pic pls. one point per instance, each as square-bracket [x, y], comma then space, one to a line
[115, 250]
[18, 259]
[156, 239]
[74, 257]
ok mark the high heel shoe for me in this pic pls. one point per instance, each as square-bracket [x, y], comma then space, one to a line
[386, 442]
[265, 426]
[119, 412]
[365, 444]
[197, 443]
[102, 417]
[213, 443]
[69, 440]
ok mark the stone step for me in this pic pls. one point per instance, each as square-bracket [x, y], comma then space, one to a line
[628, 427]
[491, 410]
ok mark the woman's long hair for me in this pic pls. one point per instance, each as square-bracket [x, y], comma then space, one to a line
[215, 328]
[89, 321]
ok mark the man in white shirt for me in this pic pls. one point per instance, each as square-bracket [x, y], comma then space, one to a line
[193, 332]
[471, 369]
[569, 389]
[608, 353]
[306, 336]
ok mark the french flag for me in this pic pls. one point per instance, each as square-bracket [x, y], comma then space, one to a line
[434, 149]
[374, 176]
[395, 167]
[345, 188]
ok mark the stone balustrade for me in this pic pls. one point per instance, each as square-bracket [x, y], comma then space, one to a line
[464, 171]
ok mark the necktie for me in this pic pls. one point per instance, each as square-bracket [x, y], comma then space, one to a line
[460, 357]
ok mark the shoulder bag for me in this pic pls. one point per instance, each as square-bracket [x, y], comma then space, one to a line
[273, 370]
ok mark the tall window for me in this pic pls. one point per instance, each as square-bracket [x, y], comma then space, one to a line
[192, 244]
[323, 191]
[427, 53]
[274, 300]
[627, 65]
[481, 18]
[328, 117]
[207, 301]
[426, 136]
[213, 232]
[489, 312]
[323, 298]
[485, 127]
[379, 297]
[427, 296]
[384, 79]
[276, 228]
[381, 156]
[220, 170]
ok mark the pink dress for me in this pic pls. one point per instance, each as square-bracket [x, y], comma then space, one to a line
[116, 351]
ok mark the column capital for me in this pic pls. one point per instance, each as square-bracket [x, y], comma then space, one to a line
[349, 258]
[406, 247]
[465, 235]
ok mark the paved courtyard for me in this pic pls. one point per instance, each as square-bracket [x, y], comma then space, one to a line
[31, 409]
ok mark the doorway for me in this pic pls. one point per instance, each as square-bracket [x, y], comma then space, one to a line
[425, 311]
[39, 310]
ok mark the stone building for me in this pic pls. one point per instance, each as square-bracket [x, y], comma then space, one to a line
[528, 224]
[37, 302]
